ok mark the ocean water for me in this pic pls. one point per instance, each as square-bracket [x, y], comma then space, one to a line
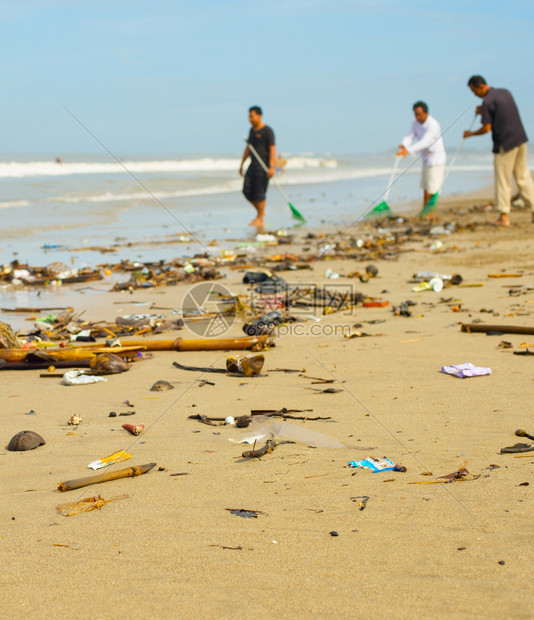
[93, 200]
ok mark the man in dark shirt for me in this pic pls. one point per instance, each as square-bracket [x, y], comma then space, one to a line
[499, 115]
[261, 139]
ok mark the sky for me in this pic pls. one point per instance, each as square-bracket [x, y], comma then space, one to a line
[175, 77]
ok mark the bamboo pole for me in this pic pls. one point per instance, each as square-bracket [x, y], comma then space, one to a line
[204, 344]
[19, 355]
[128, 472]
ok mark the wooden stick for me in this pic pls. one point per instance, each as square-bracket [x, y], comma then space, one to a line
[32, 310]
[269, 446]
[128, 472]
[505, 329]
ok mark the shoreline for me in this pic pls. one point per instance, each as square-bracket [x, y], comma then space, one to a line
[327, 205]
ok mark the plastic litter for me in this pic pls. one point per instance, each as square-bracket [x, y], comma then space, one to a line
[116, 457]
[265, 238]
[264, 325]
[435, 284]
[255, 277]
[264, 427]
[375, 465]
[276, 284]
[463, 371]
[86, 504]
[78, 377]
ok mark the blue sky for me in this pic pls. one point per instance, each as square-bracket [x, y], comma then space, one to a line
[170, 77]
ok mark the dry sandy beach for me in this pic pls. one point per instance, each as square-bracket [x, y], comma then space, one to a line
[172, 549]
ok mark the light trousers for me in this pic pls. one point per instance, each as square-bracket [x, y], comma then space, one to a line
[508, 164]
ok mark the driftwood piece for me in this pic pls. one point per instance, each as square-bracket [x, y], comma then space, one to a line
[199, 368]
[269, 446]
[504, 329]
[128, 472]
[522, 433]
[244, 420]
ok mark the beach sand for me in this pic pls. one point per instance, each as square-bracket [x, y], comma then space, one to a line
[172, 549]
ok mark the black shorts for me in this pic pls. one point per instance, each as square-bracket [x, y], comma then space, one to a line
[255, 186]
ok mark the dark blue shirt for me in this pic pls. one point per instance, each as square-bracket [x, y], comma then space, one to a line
[500, 111]
[261, 140]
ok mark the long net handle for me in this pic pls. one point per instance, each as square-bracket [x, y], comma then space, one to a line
[453, 160]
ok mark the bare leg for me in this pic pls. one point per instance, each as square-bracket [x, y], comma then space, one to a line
[503, 220]
[260, 208]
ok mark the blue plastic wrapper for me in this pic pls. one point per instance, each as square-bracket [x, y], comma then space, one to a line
[374, 465]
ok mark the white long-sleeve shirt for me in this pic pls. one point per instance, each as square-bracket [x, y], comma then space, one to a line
[428, 141]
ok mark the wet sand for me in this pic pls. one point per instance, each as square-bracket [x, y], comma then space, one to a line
[173, 550]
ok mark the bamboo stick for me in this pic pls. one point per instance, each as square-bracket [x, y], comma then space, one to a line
[128, 472]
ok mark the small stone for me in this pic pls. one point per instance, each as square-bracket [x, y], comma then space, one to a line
[112, 414]
[334, 533]
[502, 562]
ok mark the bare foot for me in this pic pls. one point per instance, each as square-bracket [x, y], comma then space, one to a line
[504, 220]
[258, 222]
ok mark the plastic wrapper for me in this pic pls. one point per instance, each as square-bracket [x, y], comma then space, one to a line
[265, 427]
[116, 457]
[375, 465]
[78, 377]
[463, 371]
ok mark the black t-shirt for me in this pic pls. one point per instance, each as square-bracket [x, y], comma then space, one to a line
[499, 110]
[261, 140]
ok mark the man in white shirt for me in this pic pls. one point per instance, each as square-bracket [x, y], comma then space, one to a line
[425, 137]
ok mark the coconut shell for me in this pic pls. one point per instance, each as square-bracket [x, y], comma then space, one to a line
[247, 366]
[108, 364]
[25, 440]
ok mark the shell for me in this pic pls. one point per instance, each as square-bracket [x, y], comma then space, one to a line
[134, 429]
[25, 440]
[74, 420]
[161, 386]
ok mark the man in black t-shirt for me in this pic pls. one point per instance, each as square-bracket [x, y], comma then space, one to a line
[261, 139]
[499, 114]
